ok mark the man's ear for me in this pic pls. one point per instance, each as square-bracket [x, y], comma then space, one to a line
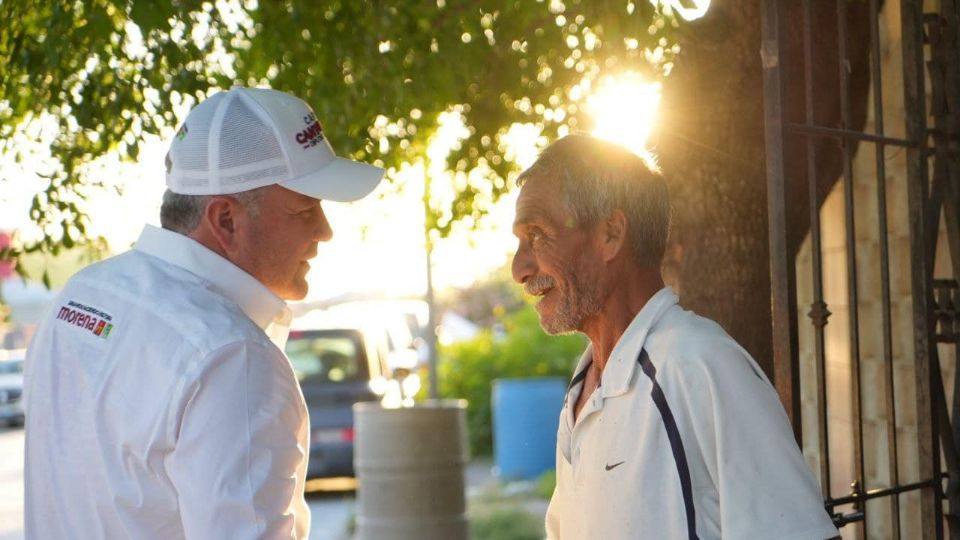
[613, 234]
[220, 219]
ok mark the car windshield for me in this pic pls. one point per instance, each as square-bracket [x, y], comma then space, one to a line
[11, 367]
[325, 358]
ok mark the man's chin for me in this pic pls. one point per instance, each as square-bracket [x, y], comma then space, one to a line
[559, 332]
[294, 297]
[555, 327]
[293, 292]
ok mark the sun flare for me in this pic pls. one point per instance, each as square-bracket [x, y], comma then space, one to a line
[699, 8]
[624, 110]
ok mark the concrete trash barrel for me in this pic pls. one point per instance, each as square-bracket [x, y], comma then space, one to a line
[525, 414]
[410, 466]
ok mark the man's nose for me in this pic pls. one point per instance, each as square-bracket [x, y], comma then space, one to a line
[523, 266]
[323, 232]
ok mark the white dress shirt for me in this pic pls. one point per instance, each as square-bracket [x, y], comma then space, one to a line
[684, 440]
[159, 403]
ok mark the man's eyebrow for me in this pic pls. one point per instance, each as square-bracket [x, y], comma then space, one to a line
[521, 221]
[530, 215]
[525, 220]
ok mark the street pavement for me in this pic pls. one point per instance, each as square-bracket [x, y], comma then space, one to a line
[331, 510]
[11, 483]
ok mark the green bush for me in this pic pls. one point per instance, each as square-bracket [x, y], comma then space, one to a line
[467, 369]
[506, 524]
[546, 484]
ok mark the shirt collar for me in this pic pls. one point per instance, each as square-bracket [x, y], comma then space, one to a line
[264, 308]
[618, 372]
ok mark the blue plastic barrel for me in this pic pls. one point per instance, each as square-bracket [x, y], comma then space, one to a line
[525, 416]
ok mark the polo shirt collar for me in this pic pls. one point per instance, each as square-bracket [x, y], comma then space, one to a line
[264, 308]
[618, 372]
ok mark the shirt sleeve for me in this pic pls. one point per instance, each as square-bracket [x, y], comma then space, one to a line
[763, 485]
[237, 465]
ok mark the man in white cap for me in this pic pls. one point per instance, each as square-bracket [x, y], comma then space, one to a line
[160, 403]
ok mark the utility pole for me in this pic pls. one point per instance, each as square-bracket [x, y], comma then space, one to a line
[431, 307]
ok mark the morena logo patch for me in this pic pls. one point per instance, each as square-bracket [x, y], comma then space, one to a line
[312, 135]
[88, 318]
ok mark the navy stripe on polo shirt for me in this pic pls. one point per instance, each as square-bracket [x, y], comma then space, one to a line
[676, 444]
[580, 376]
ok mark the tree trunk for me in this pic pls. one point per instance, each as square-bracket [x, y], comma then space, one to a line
[710, 142]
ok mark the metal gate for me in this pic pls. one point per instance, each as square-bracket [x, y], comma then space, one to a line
[900, 433]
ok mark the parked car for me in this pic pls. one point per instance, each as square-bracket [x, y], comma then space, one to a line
[11, 386]
[339, 364]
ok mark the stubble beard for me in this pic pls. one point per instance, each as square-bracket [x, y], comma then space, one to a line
[580, 300]
[272, 268]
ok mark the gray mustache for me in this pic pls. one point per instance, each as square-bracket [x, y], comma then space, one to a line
[537, 284]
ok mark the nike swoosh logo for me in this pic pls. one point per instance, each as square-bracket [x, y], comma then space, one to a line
[614, 466]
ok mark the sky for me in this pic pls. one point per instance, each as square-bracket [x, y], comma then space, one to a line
[378, 242]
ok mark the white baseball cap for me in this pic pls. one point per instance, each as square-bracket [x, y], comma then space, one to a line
[247, 138]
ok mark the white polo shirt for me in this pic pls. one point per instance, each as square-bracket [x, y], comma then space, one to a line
[158, 407]
[687, 440]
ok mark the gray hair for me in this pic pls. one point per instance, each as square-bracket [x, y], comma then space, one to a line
[596, 177]
[182, 213]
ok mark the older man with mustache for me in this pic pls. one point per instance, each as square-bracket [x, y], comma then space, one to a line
[669, 428]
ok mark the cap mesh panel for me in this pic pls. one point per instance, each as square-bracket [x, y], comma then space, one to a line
[245, 139]
[190, 153]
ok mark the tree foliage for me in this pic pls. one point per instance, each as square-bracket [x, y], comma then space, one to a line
[80, 64]
[379, 74]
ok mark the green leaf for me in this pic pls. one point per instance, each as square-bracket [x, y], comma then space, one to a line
[149, 15]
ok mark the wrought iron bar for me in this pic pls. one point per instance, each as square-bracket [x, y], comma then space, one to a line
[851, 241]
[840, 520]
[949, 447]
[883, 492]
[951, 214]
[945, 58]
[818, 310]
[945, 105]
[786, 366]
[847, 134]
[946, 311]
[911, 19]
[934, 205]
